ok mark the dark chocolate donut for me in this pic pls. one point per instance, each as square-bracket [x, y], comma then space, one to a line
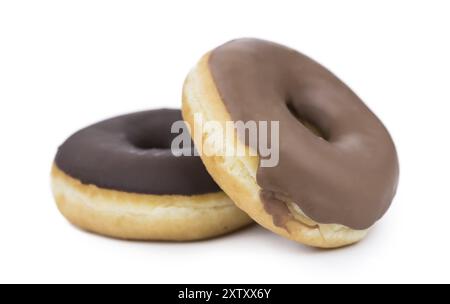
[119, 178]
[132, 153]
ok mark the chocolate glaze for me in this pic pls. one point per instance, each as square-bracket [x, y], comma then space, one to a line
[132, 153]
[349, 174]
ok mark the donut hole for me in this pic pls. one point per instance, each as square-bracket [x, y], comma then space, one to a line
[145, 142]
[307, 123]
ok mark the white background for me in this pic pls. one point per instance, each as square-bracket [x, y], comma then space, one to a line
[66, 64]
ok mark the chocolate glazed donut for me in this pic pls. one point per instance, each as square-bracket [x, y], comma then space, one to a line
[119, 178]
[338, 169]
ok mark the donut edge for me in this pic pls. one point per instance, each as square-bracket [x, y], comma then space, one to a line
[237, 175]
[144, 217]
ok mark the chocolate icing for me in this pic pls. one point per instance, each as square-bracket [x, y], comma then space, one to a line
[349, 174]
[132, 153]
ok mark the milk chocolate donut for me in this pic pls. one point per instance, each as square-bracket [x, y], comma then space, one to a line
[119, 178]
[338, 168]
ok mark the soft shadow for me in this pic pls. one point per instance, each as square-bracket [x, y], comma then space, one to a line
[254, 233]
[273, 240]
[236, 233]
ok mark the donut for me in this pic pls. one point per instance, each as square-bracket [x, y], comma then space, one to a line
[119, 178]
[337, 170]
